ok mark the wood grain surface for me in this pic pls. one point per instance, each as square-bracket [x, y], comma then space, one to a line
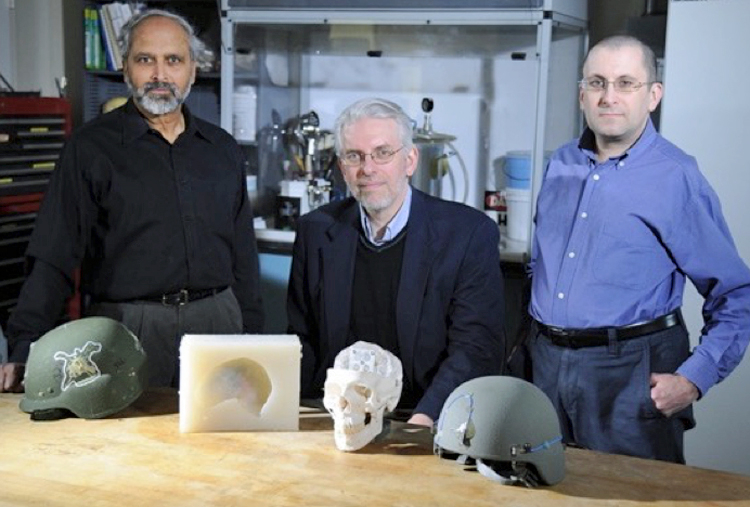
[139, 458]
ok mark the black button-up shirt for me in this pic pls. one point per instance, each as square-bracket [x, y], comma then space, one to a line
[142, 217]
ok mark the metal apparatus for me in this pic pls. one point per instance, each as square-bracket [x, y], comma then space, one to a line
[435, 150]
[304, 155]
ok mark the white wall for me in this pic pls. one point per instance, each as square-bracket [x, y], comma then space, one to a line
[7, 39]
[39, 45]
[407, 81]
[705, 112]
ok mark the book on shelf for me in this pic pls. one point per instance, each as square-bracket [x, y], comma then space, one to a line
[87, 47]
[108, 37]
[97, 53]
[94, 53]
[102, 28]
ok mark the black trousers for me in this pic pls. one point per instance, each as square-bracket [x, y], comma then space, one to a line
[603, 395]
[160, 328]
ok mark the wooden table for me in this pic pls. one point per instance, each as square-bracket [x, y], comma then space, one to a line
[140, 459]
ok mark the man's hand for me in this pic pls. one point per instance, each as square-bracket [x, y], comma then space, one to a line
[421, 420]
[11, 377]
[671, 392]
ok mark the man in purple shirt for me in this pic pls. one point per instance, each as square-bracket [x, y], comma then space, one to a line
[623, 218]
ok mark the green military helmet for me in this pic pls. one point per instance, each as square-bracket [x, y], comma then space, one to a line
[508, 426]
[92, 367]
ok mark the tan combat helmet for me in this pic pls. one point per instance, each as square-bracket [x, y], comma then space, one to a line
[508, 426]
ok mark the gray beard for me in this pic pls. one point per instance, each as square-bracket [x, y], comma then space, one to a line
[158, 105]
[376, 204]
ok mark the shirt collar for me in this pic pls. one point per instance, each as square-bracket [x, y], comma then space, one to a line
[587, 143]
[394, 227]
[135, 125]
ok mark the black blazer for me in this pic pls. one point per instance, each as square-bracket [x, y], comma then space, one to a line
[450, 303]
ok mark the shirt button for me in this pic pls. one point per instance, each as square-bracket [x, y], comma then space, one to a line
[596, 177]
[584, 214]
[571, 254]
[621, 164]
[560, 295]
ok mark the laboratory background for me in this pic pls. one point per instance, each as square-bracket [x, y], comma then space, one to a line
[490, 98]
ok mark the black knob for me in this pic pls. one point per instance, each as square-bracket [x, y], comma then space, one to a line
[427, 104]
[310, 118]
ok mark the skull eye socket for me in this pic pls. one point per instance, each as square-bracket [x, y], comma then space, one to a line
[363, 391]
[332, 389]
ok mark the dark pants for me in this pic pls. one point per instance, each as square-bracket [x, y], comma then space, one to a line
[603, 395]
[161, 327]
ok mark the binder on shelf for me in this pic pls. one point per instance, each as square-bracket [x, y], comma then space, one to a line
[96, 42]
[111, 17]
[87, 46]
[94, 58]
[108, 37]
[114, 14]
[102, 29]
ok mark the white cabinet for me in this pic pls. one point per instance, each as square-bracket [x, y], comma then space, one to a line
[502, 76]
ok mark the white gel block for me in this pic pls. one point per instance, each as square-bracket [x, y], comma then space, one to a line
[239, 382]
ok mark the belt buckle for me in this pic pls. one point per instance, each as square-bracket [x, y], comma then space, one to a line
[562, 333]
[178, 298]
[562, 337]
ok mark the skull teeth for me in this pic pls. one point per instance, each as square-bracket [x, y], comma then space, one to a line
[349, 427]
[353, 430]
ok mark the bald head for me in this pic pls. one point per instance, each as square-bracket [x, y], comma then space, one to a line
[622, 41]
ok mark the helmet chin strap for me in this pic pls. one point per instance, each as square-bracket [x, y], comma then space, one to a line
[51, 414]
[508, 474]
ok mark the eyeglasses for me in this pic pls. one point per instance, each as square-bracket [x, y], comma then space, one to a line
[380, 156]
[622, 85]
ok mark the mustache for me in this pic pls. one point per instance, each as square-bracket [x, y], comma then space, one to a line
[152, 85]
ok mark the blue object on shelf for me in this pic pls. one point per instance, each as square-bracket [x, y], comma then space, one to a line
[517, 169]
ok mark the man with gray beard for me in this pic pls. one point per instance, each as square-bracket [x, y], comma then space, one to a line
[150, 203]
[390, 265]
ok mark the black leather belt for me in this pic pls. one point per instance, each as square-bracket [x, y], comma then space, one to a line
[183, 296]
[596, 337]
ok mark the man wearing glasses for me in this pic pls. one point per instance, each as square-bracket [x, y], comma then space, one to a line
[390, 265]
[623, 218]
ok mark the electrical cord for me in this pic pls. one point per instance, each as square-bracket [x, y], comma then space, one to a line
[6, 83]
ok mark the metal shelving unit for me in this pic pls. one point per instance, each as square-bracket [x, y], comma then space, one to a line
[504, 71]
[503, 74]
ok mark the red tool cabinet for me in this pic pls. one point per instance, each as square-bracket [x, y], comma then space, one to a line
[32, 133]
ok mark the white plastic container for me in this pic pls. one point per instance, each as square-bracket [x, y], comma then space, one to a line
[518, 202]
[244, 107]
[251, 182]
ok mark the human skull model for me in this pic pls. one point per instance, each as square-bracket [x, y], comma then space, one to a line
[364, 382]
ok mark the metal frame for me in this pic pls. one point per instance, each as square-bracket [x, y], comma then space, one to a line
[545, 22]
